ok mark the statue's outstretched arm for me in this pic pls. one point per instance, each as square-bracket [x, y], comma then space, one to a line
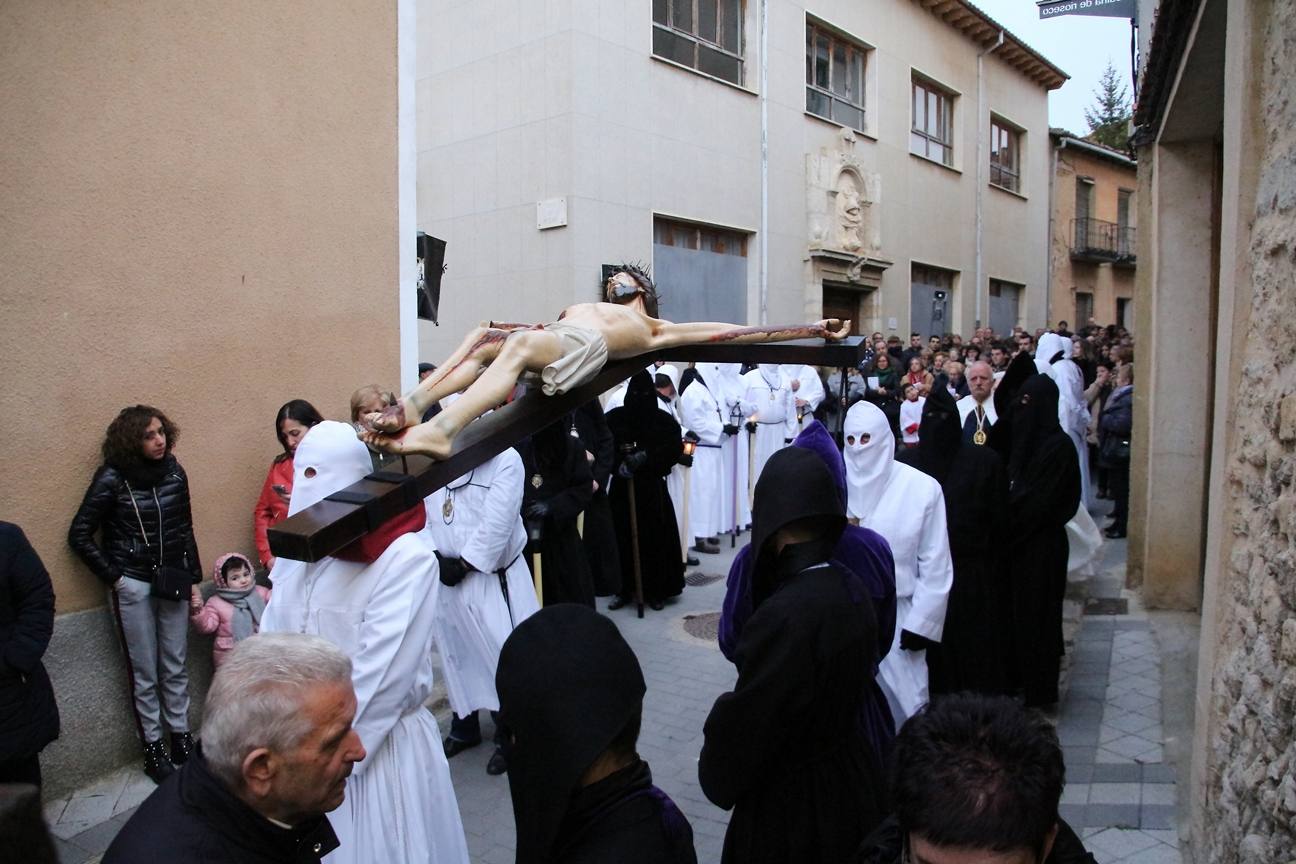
[667, 334]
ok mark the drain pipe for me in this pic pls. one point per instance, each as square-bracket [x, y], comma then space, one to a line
[764, 162]
[983, 132]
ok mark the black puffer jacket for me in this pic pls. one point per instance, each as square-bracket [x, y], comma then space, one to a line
[164, 512]
[29, 717]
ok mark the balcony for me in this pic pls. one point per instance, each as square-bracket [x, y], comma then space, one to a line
[1102, 242]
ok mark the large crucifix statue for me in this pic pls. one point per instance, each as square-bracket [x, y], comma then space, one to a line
[565, 355]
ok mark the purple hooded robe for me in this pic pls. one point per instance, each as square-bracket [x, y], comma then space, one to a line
[862, 553]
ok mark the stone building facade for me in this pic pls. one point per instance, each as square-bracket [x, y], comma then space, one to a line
[1216, 398]
[886, 161]
[1093, 245]
[202, 212]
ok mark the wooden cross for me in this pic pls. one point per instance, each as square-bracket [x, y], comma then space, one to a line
[346, 516]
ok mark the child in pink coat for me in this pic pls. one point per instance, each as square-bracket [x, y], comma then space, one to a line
[234, 611]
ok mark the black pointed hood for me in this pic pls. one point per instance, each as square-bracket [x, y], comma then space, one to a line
[1019, 371]
[568, 683]
[1034, 418]
[940, 435]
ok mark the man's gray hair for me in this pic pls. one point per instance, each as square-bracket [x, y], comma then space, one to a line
[256, 697]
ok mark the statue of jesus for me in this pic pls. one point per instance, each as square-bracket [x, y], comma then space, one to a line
[565, 354]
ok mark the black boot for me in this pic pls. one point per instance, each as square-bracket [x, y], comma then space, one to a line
[182, 744]
[156, 764]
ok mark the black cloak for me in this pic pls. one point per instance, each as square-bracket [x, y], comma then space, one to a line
[599, 536]
[559, 483]
[1020, 370]
[568, 684]
[973, 653]
[648, 445]
[1044, 493]
[785, 749]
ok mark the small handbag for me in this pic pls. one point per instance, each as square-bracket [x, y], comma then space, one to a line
[168, 583]
[1115, 449]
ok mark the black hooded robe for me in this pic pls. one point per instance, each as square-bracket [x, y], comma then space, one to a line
[974, 651]
[558, 474]
[641, 426]
[1044, 495]
[785, 749]
[599, 537]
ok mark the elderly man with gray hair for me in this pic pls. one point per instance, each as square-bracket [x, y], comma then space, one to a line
[277, 747]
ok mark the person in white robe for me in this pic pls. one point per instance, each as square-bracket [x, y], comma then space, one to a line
[379, 610]
[907, 508]
[807, 390]
[1073, 411]
[476, 523]
[911, 416]
[726, 385]
[700, 414]
[773, 413]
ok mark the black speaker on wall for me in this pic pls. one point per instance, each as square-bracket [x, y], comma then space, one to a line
[431, 251]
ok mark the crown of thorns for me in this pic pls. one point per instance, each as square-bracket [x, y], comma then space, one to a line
[639, 273]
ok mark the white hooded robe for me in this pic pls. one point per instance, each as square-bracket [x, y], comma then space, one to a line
[907, 508]
[700, 414]
[1073, 411]
[774, 408]
[400, 804]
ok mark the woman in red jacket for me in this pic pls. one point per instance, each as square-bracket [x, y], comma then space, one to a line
[291, 423]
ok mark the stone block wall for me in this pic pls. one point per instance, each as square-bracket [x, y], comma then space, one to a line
[1250, 784]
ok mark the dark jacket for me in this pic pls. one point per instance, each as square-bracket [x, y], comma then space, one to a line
[29, 717]
[1118, 414]
[193, 817]
[122, 551]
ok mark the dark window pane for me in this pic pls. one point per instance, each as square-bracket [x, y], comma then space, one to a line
[682, 15]
[821, 60]
[848, 114]
[839, 69]
[809, 55]
[817, 102]
[660, 12]
[706, 23]
[672, 47]
[712, 62]
[731, 24]
[855, 77]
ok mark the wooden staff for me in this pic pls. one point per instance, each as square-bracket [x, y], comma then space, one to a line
[627, 449]
[539, 579]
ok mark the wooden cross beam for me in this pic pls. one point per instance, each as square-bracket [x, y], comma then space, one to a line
[345, 517]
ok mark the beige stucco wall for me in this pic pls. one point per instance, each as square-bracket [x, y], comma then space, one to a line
[539, 103]
[1106, 282]
[199, 213]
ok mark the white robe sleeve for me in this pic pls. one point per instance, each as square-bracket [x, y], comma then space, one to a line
[699, 415]
[935, 574]
[393, 639]
[489, 545]
[812, 389]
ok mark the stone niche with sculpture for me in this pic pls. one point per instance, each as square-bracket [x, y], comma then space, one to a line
[843, 217]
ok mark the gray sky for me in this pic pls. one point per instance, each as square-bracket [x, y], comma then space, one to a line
[1078, 44]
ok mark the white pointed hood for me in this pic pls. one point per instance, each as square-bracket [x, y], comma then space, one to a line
[1049, 345]
[868, 465]
[330, 457]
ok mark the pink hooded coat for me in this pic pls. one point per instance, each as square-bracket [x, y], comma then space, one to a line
[215, 615]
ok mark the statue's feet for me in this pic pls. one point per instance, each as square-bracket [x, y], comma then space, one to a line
[391, 419]
[424, 438]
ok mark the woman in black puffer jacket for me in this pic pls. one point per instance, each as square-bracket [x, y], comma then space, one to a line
[139, 502]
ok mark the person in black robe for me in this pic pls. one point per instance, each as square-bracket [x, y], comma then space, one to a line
[1044, 492]
[648, 445]
[558, 486]
[599, 537]
[571, 693]
[785, 749]
[973, 653]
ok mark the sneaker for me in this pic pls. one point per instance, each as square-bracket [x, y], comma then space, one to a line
[156, 764]
[182, 744]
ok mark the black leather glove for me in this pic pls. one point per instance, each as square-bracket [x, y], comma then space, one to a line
[632, 463]
[686, 460]
[451, 570]
[536, 510]
[730, 429]
[913, 642]
[751, 426]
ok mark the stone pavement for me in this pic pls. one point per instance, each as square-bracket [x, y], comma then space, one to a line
[1120, 793]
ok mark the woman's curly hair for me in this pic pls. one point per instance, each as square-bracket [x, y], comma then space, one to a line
[121, 444]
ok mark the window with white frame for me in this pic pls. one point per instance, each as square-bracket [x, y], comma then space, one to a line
[1005, 155]
[835, 79]
[705, 35]
[932, 135]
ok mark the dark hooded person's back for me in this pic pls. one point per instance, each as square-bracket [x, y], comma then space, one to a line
[973, 653]
[571, 694]
[785, 749]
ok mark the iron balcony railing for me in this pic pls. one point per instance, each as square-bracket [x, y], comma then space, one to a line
[1096, 240]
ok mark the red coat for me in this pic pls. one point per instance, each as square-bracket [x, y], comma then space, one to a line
[270, 508]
